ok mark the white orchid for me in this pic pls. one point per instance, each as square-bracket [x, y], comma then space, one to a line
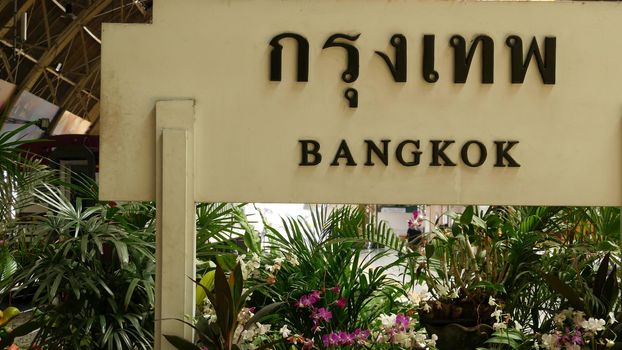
[612, 318]
[263, 328]
[499, 326]
[387, 321]
[549, 341]
[285, 332]
[497, 315]
[593, 324]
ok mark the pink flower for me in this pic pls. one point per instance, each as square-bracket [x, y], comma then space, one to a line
[402, 321]
[309, 299]
[345, 338]
[361, 335]
[303, 302]
[308, 344]
[341, 303]
[326, 340]
[577, 338]
[336, 289]
[315, 296]
[322, 314]
[342, 338]
[334, 339]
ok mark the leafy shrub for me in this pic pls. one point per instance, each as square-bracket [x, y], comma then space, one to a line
[92, 277]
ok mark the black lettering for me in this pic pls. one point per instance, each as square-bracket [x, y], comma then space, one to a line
[438, 151]
[462, 60]
[399, 153]
[277, 53]
[546, 65]
[429, 74]
[307, 151]
[483, 154]
[383, 153]
[503, 153]
[397, 69]
[352, 71]
[343, 152]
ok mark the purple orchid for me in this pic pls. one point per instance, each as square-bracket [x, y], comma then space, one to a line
[322, 314]
[341, 303]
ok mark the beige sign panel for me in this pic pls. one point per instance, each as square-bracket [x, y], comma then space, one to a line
[566, 136]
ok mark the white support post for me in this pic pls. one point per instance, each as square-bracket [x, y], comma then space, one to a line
[176, 231]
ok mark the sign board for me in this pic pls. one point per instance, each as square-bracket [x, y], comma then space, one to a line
[404, 101]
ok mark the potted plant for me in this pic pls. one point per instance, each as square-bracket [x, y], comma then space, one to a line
[225, 322]
[464, 267]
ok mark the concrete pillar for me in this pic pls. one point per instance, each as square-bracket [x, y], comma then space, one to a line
[176, 231]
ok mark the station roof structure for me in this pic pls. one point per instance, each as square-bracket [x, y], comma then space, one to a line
[51, 49]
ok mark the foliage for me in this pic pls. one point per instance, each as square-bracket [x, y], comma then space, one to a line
[600, 292]
[472, 255]
[527, 229]
[509, 338]
[226, 325]
[20, 174]
[328, 252]
[465, 266]
[223, 232]
[93, 278]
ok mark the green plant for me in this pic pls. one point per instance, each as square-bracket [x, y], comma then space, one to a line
[223, 233]
[472, 255]
[507, 339]
[595, 292]
[328, 253]
[20, 174]
[530, 235]
[600, 292]
[223, 329]
[93, 279]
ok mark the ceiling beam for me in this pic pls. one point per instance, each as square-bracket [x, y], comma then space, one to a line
[4, 4]
[8, 25]
[46, 22]
[7, 66]
[93, 114]
[81, 84]
[48, 69]
[64, 39]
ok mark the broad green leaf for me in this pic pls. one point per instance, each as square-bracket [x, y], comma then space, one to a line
[207, 281]
[55, 285]
[562, 288]
[122, 252]
[223, 304]
[265, 311]
[130, 291]
[467, 215]
[601, 276]
[237, 284]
